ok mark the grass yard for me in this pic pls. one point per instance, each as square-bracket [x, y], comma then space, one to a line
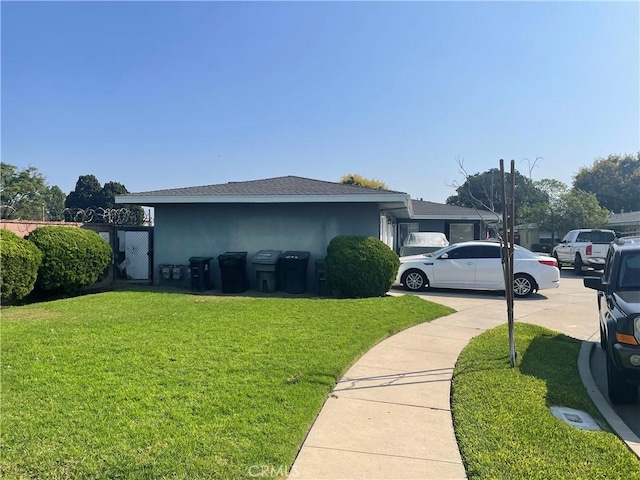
[501, 415]
[162, 385]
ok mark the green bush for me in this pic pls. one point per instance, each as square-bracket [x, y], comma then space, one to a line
[19, 262]
[73, 258]
[359, 267]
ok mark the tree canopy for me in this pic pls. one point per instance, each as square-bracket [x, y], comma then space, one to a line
[90, 195]
[25, 195]
[484, 192]
[564, 209]
[614, 180]
[359, 180]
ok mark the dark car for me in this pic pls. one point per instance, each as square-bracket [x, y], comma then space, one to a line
[619, 313]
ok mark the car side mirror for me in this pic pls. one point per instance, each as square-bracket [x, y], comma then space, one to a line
[444, 256]
[595, 283]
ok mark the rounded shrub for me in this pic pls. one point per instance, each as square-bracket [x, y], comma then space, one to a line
[359, 267]
[73, 258]
[19, 262]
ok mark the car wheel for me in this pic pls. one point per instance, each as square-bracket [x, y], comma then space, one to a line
[577, 265]
[523, 285]
[414, 280]
[555, 255]
[620, 391]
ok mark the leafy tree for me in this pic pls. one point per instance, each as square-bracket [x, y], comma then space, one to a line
[484, 191]
[54, 201]
[580, 209]
[86, 194]
[547, 215]
[614, 180]
[359, 180]
[564, 209]
[107, 195]
[89, 194]
[25, 195]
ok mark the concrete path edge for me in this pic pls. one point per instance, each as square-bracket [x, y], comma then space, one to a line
[628, 437]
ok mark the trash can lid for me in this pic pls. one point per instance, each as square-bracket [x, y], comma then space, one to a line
[268, 257]
[235, 255]
[200, 259]
[294, 255]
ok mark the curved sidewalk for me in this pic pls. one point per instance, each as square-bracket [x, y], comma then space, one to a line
[389, 417]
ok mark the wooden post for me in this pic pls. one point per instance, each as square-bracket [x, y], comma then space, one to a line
[508, 237]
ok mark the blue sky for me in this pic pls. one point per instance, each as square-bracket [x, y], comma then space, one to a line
[172, 94]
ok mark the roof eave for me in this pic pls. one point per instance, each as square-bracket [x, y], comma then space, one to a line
[150, 200]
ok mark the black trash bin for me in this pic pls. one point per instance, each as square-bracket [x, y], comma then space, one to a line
[200, 273]
[321, 280]
[233, 271]
[292, 271]
[265, 263]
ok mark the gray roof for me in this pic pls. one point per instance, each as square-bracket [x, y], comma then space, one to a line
[626, 218]
[422, 208]
[289, 185]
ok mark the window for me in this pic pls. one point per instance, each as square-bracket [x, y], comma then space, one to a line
[490, 251]
[469, 251]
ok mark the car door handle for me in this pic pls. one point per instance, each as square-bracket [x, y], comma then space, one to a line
[469, 263]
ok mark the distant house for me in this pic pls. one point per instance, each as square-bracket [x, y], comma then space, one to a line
[625, 223]
[287, 213]
[459, 224]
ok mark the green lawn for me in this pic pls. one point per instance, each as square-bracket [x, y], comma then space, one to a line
[163, 385]
[502, 419]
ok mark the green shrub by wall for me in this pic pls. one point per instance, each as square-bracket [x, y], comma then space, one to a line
[19, 262]
[73, 258]
[359, 267]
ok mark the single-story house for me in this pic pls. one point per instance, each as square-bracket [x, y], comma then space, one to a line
[459, 224]
[287, 214]
[625, 223]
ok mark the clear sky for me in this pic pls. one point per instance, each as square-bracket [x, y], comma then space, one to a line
[161, 95]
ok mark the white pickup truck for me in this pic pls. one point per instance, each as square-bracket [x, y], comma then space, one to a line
[584, 247]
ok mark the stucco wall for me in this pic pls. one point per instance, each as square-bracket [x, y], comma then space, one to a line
[183, 231]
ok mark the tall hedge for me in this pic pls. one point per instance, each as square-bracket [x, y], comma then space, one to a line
[19, 262]
[359, 267]
[73, 258]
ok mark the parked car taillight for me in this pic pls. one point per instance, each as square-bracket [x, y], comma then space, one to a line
[589, 249]
[551, 262]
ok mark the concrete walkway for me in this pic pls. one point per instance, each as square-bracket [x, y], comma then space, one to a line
[389, 417]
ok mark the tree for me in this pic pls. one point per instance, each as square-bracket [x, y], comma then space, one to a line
[90, 195]
[484, 191]
[359, 180]
[614, 180]
[25, 195]
[580, 209]
[86, 193]
[54, 201]
[547, 215]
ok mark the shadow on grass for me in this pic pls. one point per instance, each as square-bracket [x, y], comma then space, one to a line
[553, 358]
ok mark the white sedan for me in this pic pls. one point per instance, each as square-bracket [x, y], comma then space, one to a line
[477, 265]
